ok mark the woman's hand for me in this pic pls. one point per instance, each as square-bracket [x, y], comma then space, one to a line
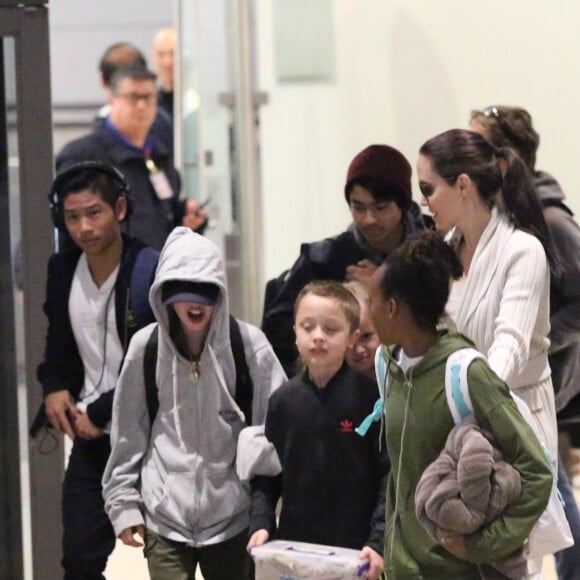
[456, 546]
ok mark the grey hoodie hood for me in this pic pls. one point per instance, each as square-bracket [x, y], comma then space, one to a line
[189, 257]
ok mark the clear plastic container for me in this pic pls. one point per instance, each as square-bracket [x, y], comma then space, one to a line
[282, 560]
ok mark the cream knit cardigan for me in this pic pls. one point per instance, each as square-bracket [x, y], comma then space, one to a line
[505, 310]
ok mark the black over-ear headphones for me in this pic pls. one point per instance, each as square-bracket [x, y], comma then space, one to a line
[55, 199]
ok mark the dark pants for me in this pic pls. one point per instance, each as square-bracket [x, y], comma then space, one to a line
[88, 537]
[168, 560]
[568, 560]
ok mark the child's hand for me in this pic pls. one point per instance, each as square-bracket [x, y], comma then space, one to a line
[258, 538]
[85, 428]
[60, 410]
[456, 546]
[127, 536]
[376, 564]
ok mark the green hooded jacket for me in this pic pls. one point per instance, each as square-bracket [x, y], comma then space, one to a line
[418, 421]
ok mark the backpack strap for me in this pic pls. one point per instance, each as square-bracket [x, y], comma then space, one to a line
[141, 279]
[149, 369]
[382, 373]
[244, 384]
[456, 385]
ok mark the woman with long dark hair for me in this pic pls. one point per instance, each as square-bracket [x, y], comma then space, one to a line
[483, 198]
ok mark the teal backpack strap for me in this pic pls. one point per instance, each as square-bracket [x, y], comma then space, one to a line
[381, 370]
[456, 384]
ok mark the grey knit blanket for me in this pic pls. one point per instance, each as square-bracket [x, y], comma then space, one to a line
[467, 487]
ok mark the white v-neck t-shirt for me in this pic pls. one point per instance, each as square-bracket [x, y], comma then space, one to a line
[407, 362]
[92, 314]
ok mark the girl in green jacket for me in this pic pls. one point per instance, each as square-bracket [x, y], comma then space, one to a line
[408, 296]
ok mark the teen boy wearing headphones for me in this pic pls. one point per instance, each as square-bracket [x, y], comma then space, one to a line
[93, 307]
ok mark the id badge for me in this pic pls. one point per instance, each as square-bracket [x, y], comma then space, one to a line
[161, 184]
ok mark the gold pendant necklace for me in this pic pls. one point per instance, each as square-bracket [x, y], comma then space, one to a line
[194, 370]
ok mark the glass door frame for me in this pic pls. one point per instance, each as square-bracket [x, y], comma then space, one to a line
[30, 504]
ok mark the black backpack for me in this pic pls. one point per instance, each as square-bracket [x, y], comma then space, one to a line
[244, 383]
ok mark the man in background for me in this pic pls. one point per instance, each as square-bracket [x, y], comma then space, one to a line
[125, 54]
[164, 66]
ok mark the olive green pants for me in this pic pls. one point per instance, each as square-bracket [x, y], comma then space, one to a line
[169, 560]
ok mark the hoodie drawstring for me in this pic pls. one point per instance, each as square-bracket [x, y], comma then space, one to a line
[175, 380]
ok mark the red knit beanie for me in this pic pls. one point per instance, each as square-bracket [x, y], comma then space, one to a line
[386, 169]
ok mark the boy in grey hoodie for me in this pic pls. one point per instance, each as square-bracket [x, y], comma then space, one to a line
[174, 482]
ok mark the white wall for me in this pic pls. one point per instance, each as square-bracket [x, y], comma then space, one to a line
[407, 70]
[81, 30]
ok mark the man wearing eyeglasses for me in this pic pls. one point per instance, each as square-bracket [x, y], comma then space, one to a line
[125, 140]
[378, 193]
[123, 54]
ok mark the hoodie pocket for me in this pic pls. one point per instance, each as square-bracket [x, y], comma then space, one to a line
[193, 502]
[177, 505]
[223, 497]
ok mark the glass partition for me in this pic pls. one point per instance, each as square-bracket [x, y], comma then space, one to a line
[217, 120]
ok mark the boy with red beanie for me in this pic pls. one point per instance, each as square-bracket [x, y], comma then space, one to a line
[378, 192]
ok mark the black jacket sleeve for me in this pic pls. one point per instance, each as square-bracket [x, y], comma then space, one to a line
[377, 536]
[101, 410]
[61, 368]
[265, 493]
[382, 469]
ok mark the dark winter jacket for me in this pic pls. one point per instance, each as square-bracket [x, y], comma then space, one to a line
[564, 352]
[333, 481]
[62, 367]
